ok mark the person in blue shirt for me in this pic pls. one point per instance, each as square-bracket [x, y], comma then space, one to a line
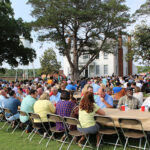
[12, 104]
[104, 81]
[56, 95]
[96, 87]
[70, 87]
[117, 89]
[82, 83]
[104, 100]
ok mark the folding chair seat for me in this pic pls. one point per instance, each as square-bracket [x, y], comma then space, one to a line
[36, 127]
[6, 110]
[75, 133]
[56, 118]
[133, 133]
[103, 120]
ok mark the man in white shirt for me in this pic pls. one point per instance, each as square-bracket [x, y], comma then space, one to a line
[3, 97]
[138, 84]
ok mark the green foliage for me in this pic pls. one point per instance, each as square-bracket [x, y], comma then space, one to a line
[12, 50]
[12, 72]
[141, 44]
[79, 27]
[142, 69]
[49, 62]
[144, 9]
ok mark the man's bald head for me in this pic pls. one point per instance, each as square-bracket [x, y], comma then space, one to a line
[40, 91]
[2, 92]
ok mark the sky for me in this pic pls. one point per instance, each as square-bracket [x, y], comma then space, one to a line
[22, 10]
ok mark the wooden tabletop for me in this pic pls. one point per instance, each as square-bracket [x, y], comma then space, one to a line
[115, 114]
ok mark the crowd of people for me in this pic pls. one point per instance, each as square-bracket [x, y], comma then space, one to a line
[59, 97]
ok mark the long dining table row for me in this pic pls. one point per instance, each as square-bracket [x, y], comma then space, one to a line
[115, 114]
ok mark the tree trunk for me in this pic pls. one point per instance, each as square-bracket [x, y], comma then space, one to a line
[75, 74]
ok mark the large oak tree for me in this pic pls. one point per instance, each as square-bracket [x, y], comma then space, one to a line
[79, 27]
[12, 50]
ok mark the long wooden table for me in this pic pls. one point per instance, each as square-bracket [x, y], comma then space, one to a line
[115, 114]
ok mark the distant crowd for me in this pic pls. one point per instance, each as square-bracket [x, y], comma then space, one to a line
[81, 99]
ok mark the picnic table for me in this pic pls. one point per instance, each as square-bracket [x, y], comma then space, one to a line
[115, 114]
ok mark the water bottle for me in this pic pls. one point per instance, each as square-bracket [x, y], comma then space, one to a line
[126, 107]
[146, 107]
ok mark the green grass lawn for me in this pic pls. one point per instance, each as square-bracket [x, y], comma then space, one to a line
[14, 141]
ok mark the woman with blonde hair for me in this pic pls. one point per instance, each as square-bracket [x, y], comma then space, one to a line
[85, 89]
[43, 106]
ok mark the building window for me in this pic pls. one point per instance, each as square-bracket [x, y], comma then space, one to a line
[105, 55]
[97, 57]
[91, 70]
[105, 69]
[97, 69]
[85, 56]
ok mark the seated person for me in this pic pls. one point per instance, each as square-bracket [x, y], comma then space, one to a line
[85, 88]
[104, 100]
[138, 94]
[64, 108]
[70, 86]
[3, 98]
[117, 88]
[109, 91]
[42, 107]
[55, 98]
[87, 111]
[146, 102]
[96, 86]
[90, 89]
[12, 104]
[39, 92]
[20, 94]
[27, 106]
[129, 100]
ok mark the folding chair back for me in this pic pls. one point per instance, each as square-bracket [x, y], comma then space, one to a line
[34, 116]
[7, 110]
[71, 121]
[22, 113]
[54, 118]
[35, 126]
[124, 122]
[107, 121]
[75, 133]
[104, 120]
